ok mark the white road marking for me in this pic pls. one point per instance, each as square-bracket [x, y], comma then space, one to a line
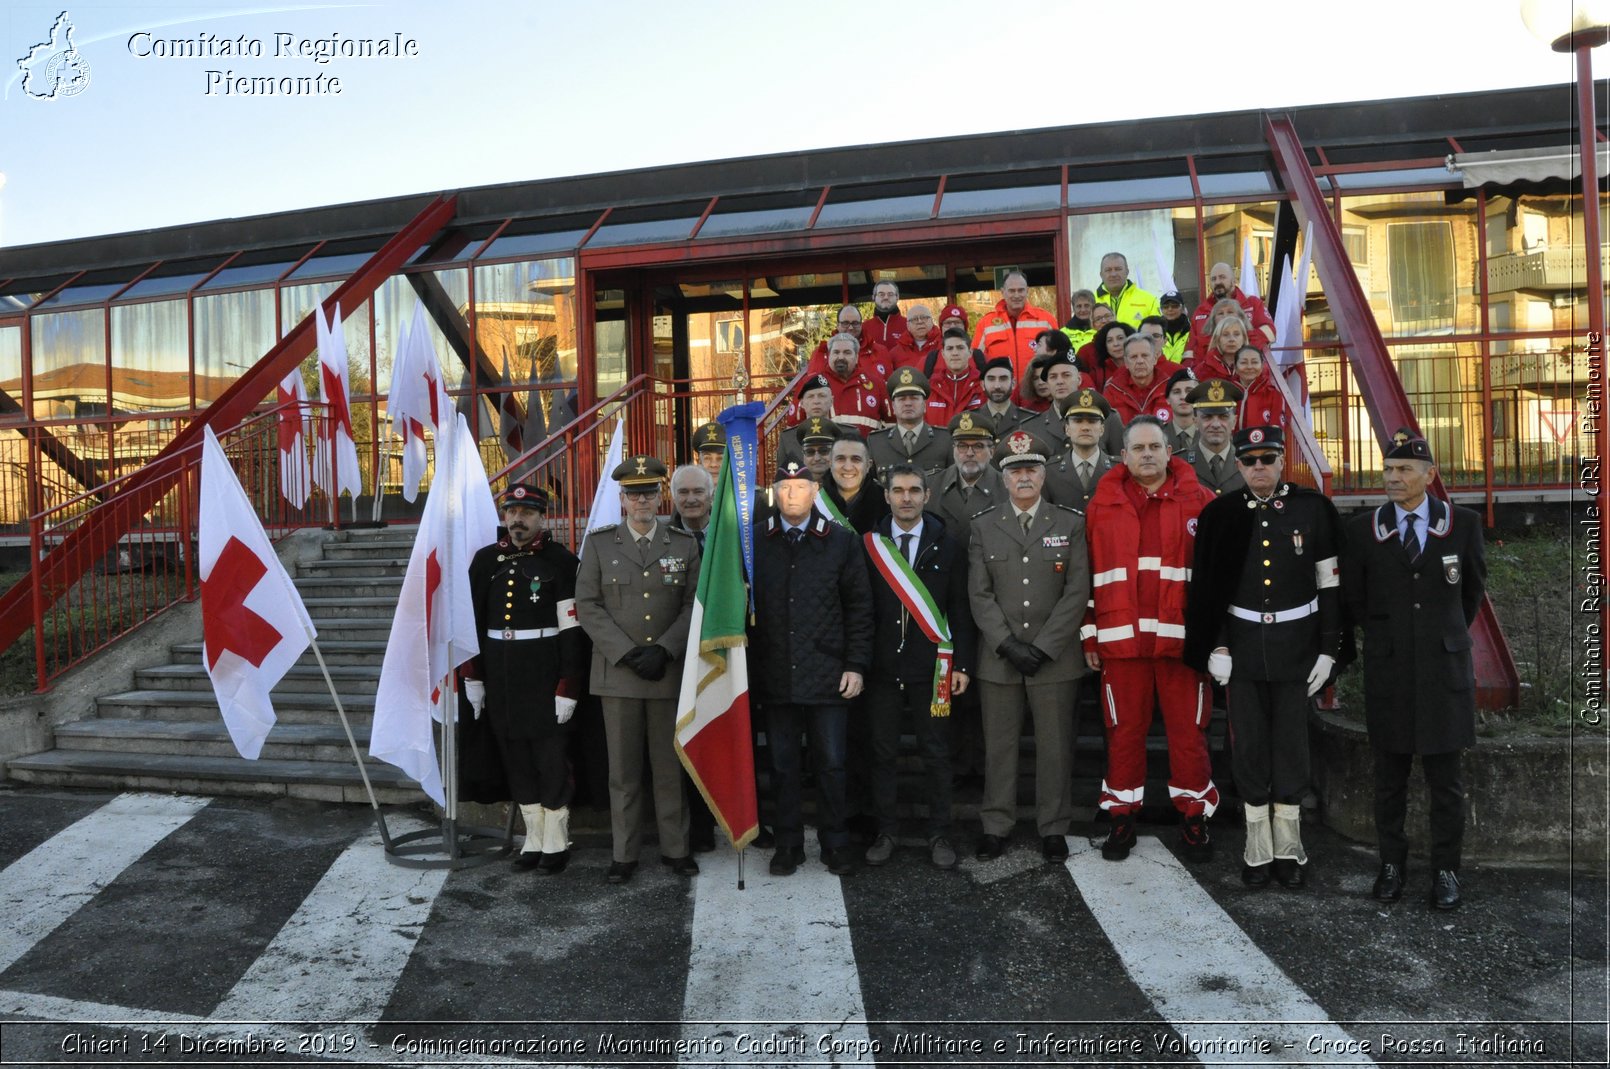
[772, 973]
[1200, 970]
[48, 884]
[344, 949]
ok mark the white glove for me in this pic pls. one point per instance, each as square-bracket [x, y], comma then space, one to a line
[475, 691]
[1219, 666]
[563, 708]
[1321, 672]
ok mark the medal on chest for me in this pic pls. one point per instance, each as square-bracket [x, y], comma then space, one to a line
[536, 588]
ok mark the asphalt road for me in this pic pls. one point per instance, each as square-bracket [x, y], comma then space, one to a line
[149, 929]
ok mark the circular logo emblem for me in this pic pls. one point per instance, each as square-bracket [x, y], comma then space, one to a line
[1255, 437]
[1190, 526]
[1165, 414]
[518, 493]
[1018, 443]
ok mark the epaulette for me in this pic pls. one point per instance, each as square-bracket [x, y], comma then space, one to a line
[1067, 508]
[819, 524]
[985, 511]
[604, 528]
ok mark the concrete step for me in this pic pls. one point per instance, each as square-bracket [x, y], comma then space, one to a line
[348, 587]
[350, 679]
[296, 742]
[309, 707]
[352, 628]
[365, 549]
[336, 652]
[195, 774]
[358, 566]
[325, 606]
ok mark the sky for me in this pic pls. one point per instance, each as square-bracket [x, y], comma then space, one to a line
[491, 91]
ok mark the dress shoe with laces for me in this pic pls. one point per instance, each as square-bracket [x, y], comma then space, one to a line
[682, 866]
[1121, 837]
[881, 850]
[941, 853]
[1055, 848]
[1255, 875]
[787, 860]
[1289, 874]
[1445, 890]
[990, 847]
[1194, 839]
[1389, 883]
[840, 860]
[620, 871]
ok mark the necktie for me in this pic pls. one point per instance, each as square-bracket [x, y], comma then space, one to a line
[1411, 542]
[1026, 519]
[967, 491]
[698, 536]
[905, 546]
[911, 442]
[1085, 467]
[1215, 465]
[794, 536]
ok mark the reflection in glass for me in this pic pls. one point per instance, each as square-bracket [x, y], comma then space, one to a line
[150, 357]
[247, 275]
[879, 210]
[644, 232]
[763, 221]
[1130, 191]
[232, 331]
[11, 370]
[528, 245]
[958, 202]
[69, 358]
[394, 309]
[1146, 238]
[86, 294]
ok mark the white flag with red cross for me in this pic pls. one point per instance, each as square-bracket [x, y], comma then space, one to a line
[418, 400]
[335, 434]
[296, 477]
[254, 624]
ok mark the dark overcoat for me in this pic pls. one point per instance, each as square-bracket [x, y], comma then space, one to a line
[900, 651]
[1419, 682]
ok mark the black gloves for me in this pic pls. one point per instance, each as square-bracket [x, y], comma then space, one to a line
[649, 662]
[1023, 656]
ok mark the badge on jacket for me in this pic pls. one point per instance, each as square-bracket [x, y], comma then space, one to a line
[673, 571]
[1450, 568]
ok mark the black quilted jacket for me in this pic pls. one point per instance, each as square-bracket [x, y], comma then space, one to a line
[813, 613]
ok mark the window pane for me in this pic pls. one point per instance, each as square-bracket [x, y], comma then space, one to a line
[69, 358]
[332, 266]
[247, 275]
[534, 244]
[989, 201]
[394, 309]
[879, 210]
[11, 368]
[1420, 259]
[1146, 238]
[645, 232]
[232, 331]
[525, 320]
[1164, 187]
[85, 294]
[150, 358]
[1420, 273]
[756, 222]
[173, 278]
[1235, 184]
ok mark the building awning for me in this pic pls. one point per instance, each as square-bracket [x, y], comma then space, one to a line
[1555, 169]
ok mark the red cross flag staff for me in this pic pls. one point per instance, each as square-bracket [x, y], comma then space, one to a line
[337, 468]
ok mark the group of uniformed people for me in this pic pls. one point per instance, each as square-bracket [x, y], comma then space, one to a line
[983, 590]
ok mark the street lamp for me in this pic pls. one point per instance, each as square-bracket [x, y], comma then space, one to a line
[1580, 26]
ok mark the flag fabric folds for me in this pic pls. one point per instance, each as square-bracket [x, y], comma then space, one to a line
[296, 475]
[418, 401]
[335, 438]
[254, 625]
[712, 729]
[1249, 271]
[433, 631]
[607, 499]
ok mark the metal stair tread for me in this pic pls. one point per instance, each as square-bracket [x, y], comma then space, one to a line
[202, 767]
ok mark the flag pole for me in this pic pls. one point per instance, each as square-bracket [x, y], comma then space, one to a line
[346, 725]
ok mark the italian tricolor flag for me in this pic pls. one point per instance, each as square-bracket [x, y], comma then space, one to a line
[712, 727]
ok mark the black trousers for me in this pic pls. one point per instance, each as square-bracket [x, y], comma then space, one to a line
[890, 705]
[1447, 797]
[1269, 736]
[786, 723]
[537, 770]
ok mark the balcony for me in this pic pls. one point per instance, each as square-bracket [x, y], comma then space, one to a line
[1544, 269]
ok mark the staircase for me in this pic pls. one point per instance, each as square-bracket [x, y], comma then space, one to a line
[167, 733]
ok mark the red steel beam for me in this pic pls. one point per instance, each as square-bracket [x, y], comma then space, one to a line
[103, 528]
[1497, 680]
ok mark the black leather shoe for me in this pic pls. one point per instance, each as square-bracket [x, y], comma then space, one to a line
[553, 863]
[1389, 884]
[1195, 841]
[1055, 849]
[1289, 874]
[786, 860]
[764, 839]
[682, 866]
[620, 871]
[1445, 890]
[990, 847]
[840, 861]
[527, 860]
[1255, 875]
[1121, 839]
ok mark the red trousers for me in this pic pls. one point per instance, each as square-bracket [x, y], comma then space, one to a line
[1130, 690]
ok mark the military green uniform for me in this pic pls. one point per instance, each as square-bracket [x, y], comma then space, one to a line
[1214, 396]
[1064, 485]
[632, 595]
[930, 455]
[1226, 480]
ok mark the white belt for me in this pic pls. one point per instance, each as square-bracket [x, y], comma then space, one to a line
[509, 634]
[1284, 616]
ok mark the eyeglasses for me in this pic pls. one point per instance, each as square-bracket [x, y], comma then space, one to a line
[652, 491]
[810, 452]
[1260, 459]
[972, 447]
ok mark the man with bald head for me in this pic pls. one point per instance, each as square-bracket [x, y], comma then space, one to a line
[1011, 328]
[921, 342]
[1221, 286]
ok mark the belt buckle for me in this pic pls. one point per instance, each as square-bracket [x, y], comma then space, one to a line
[508, 634]
[1268, 617]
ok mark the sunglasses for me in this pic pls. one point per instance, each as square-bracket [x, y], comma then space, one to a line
[1261, 459]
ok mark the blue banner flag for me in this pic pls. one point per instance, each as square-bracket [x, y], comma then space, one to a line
[743, 454]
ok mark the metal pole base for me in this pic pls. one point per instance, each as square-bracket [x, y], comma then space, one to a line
[449, 848]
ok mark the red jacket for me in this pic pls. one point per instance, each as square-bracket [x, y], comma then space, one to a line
[950, 397]
[1264, 405]
[1100, 369]
[1129, 400]
[998, 334]
[1257, 315]
[873, 360]
[1207, 365]
[877, 334]
[859, 401]
[1120, 614]
[907, 353]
